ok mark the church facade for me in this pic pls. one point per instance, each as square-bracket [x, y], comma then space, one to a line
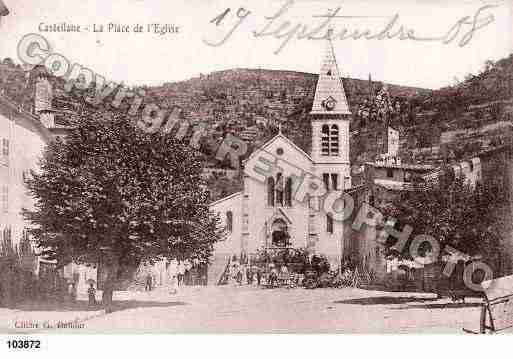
[288, 197]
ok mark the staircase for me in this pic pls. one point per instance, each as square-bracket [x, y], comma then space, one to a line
[216, 269]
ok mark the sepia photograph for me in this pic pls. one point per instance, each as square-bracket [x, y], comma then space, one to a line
[255, 167]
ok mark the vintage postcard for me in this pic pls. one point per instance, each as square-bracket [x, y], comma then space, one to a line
[277, 166]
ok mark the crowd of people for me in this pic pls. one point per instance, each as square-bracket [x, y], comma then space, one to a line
[241, 272]
[271, 270]
[186, 272]
[268, 272]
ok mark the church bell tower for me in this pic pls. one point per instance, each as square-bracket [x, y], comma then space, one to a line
[330, 117]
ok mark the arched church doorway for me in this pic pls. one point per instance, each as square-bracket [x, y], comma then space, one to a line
[280, 233]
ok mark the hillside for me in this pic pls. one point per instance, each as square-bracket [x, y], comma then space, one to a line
[467, 118]
[460, 120]
[251, 102]
[248, 103]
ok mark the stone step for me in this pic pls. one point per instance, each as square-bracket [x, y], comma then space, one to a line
[216, 269]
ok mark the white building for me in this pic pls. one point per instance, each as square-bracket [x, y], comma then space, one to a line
[23, 138]
[273, 210]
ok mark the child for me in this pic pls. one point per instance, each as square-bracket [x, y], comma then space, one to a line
[92, 294]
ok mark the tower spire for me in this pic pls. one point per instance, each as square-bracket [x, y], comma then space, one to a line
[330, 97]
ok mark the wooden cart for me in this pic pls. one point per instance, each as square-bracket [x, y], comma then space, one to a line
[497, 309]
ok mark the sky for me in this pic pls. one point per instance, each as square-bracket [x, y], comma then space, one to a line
[149, 58]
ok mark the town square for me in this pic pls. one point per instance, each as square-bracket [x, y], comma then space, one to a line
[255, 169]
[245, 309]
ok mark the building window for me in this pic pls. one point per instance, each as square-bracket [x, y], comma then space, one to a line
[334, 140]
[245, 223]
[6, 233]
[390, 172]
[329, 223]
[5, 147]
[270, 192]
[330, 181]
[229, 221]
[288, 192]
[326, 180]
[325, 141]
[5, 198]
[347, 182]
[329, 140]
[279, 189]
[334, 181]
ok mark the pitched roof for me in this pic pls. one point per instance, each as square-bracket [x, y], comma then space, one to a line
[13, 111]
[279, 213]
[230, 196]
[330, 90]
[278, 136]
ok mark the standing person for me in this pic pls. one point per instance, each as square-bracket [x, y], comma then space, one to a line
[259, 275]
[273, 276]
[72, 291]
[240, 272]
[195, 272]
[91, 293]
[149, 282]
[181, 271]
[187, 273]
[234, 270]
[284, 274]
[172, 270]
[249, 275]
[235, 266]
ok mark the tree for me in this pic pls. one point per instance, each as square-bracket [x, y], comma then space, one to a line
[221, 186]
[114, 194]
[453, 214]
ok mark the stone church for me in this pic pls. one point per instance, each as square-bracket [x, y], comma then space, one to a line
[274, 210]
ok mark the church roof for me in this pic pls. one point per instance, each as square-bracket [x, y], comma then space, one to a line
[278, 136]
[330, 97]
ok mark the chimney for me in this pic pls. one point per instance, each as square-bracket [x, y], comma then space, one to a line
[43, 100]
[4, 11]
[44, 94]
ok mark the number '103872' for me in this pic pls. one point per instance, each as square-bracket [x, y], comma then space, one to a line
[24, 344]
